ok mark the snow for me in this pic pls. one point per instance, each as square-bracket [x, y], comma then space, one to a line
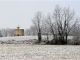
[18, 38]
[26, 37]
[36, 52]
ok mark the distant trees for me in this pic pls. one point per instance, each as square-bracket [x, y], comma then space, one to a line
[0, 34]
[7, 32]
[76, 34]
[31, 31]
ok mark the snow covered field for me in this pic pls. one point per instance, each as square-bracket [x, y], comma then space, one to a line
[26, 37]
[39, 52]
[21, 38]
[18, 38]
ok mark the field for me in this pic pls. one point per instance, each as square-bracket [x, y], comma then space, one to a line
[24, 39]
[27, 37]
[39, 52]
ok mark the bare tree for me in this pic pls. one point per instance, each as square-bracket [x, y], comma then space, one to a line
[61, 24]
[45, 29]
[65, 20]
[52, 27]
[37, 22]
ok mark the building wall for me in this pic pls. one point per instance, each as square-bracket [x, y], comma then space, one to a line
[19, 32]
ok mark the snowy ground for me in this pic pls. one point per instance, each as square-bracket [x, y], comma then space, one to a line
[39, 52]
[24, 39]
[27, 37]
[18, 38]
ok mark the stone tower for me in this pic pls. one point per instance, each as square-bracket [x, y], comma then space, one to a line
[19, 32]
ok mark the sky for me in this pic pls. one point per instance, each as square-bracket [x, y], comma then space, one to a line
[15, 13]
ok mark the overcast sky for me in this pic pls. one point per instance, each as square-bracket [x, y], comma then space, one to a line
[14, 13]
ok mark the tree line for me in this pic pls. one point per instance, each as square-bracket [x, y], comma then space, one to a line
[6, 32]
[60, 24]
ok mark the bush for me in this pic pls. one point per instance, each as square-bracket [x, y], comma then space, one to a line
[76, 40]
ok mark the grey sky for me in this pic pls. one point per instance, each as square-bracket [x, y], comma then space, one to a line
[14, 13]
